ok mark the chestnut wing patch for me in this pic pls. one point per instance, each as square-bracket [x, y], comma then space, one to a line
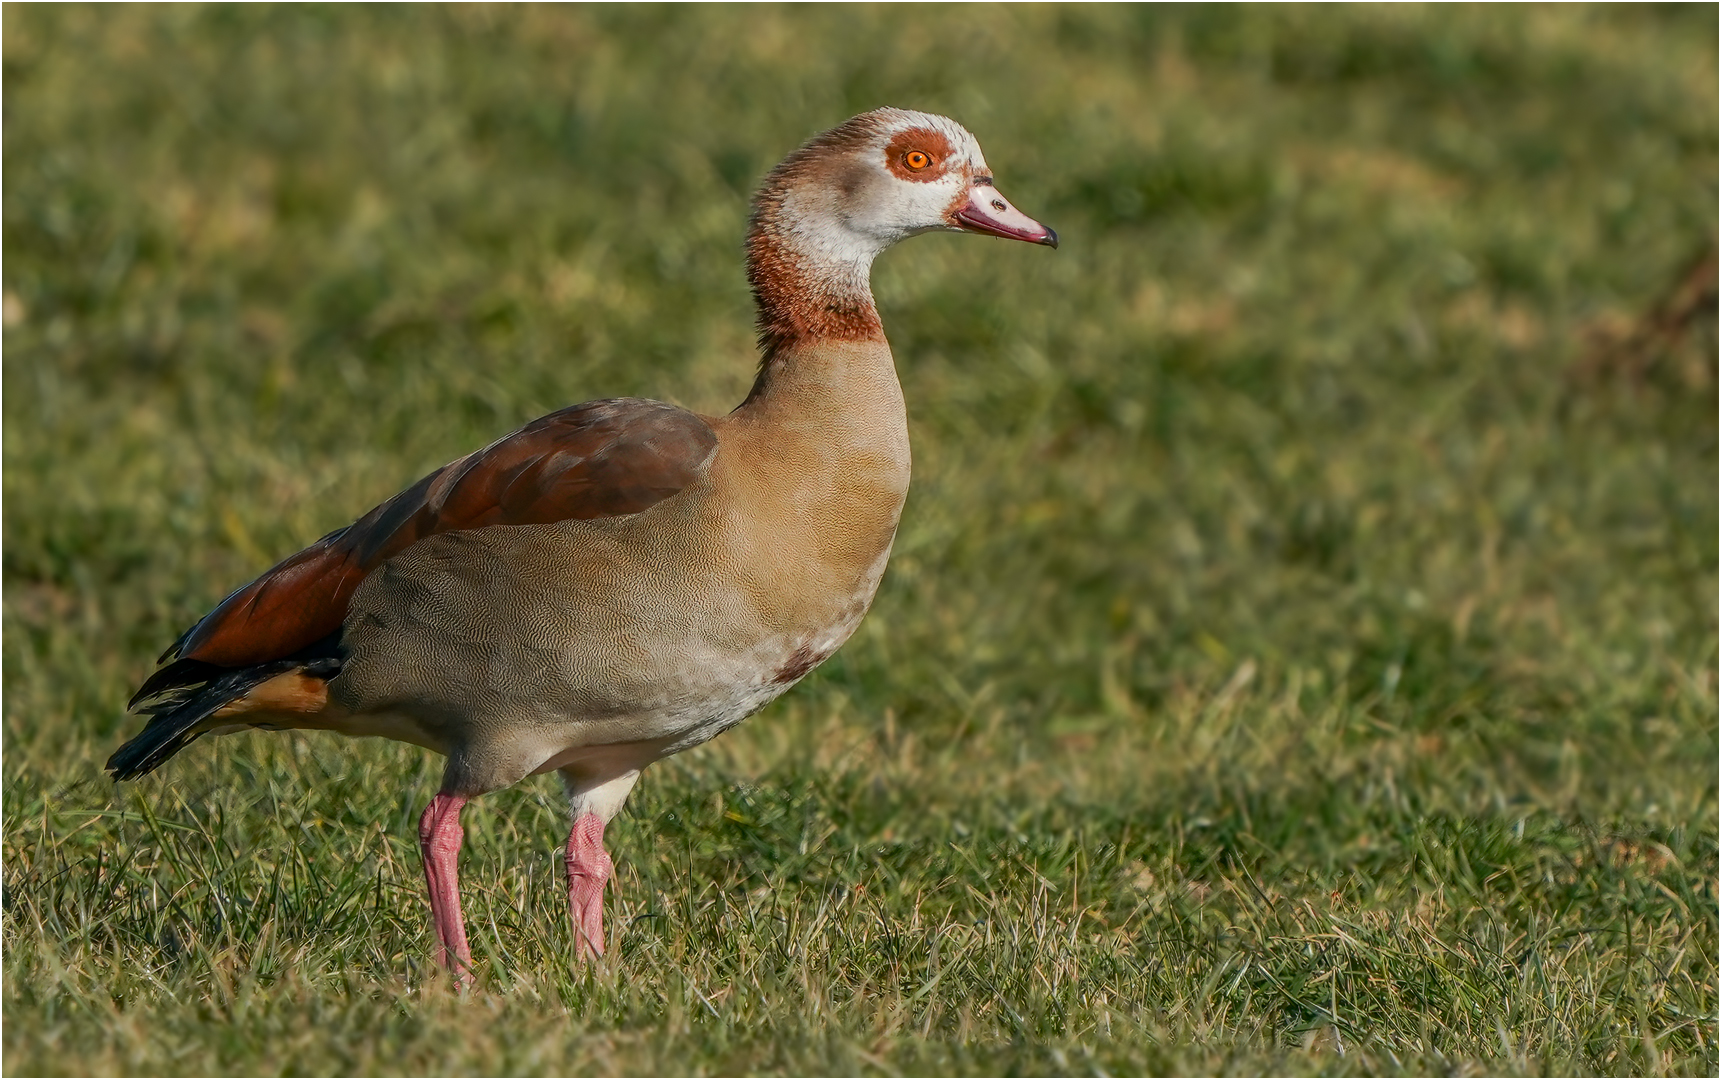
[599, 459]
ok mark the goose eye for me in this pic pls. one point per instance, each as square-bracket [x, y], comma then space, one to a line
[915, 159]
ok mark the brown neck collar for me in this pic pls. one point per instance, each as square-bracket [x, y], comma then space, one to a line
[805, 290]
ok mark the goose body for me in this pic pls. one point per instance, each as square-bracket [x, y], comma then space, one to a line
[515, 650]
[623, 579]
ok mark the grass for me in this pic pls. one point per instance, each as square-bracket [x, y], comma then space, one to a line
[1286, 664]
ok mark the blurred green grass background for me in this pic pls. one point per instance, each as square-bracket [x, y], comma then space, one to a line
[1287, 663]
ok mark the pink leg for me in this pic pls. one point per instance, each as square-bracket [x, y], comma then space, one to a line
[439, 838]
[589, 867]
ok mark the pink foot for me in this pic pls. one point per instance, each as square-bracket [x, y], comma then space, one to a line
[439, 838]
[589, 867]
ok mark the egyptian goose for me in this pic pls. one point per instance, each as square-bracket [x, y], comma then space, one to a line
[623, 579]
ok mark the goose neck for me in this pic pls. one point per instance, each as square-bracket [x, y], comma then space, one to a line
[810, 274]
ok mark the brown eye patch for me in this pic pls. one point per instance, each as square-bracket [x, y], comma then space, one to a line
[918, 154]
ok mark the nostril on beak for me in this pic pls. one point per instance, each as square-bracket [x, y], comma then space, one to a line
[999, 205]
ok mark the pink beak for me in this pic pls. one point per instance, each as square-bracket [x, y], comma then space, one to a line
[989, 212]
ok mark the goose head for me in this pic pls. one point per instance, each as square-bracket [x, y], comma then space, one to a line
[832, 206]
[884, 176]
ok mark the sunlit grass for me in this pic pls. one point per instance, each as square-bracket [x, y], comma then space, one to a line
[1286, 664]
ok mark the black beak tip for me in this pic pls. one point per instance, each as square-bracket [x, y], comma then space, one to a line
[1051, 240]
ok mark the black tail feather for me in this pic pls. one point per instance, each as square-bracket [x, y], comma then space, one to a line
[180, 716]
[181, 698]
[159, 741]
[176, 676]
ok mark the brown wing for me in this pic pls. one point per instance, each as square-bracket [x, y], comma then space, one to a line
[600, 459]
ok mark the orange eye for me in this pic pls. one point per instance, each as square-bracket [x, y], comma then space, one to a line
[915, 159]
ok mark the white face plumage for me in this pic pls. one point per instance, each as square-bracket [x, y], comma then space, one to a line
[879, 178]
[910, 176]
